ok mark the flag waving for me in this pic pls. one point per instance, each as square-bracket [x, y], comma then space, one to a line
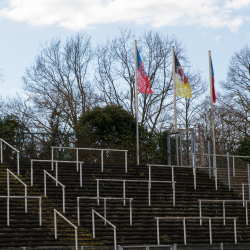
[182, 85]
[143, 82]
[213, 89]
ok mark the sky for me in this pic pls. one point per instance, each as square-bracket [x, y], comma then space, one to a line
[222, 26]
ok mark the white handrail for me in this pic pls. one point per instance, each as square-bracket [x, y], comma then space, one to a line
[195, 218]
[45, 187]
[56, 161]
[8, 186]
[55, 226]
[149, 187]
[26, 197]
[104, 198]
[94, 149]
[18, 154]
[224, 210]
[93, 226]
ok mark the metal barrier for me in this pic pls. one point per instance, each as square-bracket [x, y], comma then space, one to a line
[55, 226]
[8, 186]
[56, 161]
[18, 154]
[171, 247]
[63, 187]
[170, 166]
[195, 218]
[104, 198]
[149, 187]
[26, 197]
[93, 149]
[93, 226]
[224, 210]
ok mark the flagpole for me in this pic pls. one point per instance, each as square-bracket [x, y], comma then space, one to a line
[136, 107]
[175, 115]
[212, 110]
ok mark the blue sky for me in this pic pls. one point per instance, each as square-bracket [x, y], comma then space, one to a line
[220, 26]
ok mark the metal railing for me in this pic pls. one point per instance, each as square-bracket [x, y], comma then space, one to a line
[92, 149]
[243, 191]
[56, 161]
[149, 187]
[93, 226]
[195, 218]
[45, 187]
[105, 213]
[8, 186]
[55, 226]
[171, 247]
[18, 154]
[171, 166]
[224, 209]
[26, 197]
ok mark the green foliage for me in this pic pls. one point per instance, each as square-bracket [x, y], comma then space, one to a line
[8, 128]
[244, 148]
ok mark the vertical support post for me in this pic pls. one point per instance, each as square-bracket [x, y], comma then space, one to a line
[246, 213]
[78, 212]
[18, 164]
[52, 158]
[8, 182]
[209, 159]
[76, 241]
[158, 233]
[1, 151]
[172, 176]
[31, 172]
[210, 231]
[25, 192]
[8, 211]
[149, 174]
[228, 171]
[80, 174]
[200, 212]
[224, 213]
[115, 239]
[243, 193]
[93, 223]
[248, 171]
[55, 225]
[215, 179]
[181, 150]
[63, 191]
[77, 159]
[40, 211]
[97, 182]
[124, 201]
[102, 160]
[130, 211]
[126, 161]
[233, 167]
[174, 195]
[136, 107]
[184, 229]
[44, 174]
[105, 213]
[56, 173]
[168, 149]
[235, 232]
[221, 246]
[149, 194]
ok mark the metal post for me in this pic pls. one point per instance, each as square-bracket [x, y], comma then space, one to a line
[224, 213]
[210, 231]
[124, 201]
[149, 174]
[102, 160]
[115, 239]
[40, 211]
[8, 183]
[235, 232]
[126, 162]
[55, 225]
[233, 167]
[77, 159]
[221, 246]
[18, 166]
[78, 212]
[200, 212]
[172, 176]
[246, 213]
[1, 151]
[63, 191]
[52, 157]
[149, 194]
[184, 229]
[25, 191]
[243, 191]
[209, 159]
[8, 211]
[105, 213]
[97, 192]
[174, 195]
[168, 149]
[216, 181]
[31, 173]
[158, 233]
[228, 171]
[130, 211]
[44, 183]
[80, 174]
[248, 170]
[181, 150]
[195, 175]
[56, 173]
[76, 241]
[93, 223]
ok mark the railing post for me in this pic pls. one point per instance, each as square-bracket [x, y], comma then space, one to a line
[174, 195]
[77, 159]
[228, 171]
[181, 150]
[209, 159]
[93, 223]
[233, 167]
[115, 239]
[63, 191]
[31, 172]
[40, 211]
[55, 224]
[8, 183]
[56, 172]
[149, 174]
[52, 157]
[158, 233]
[224, 213]
[184, 230]
[216, 179]
[102, 160]
[124, 186]
[76, 241]
[126, 161]
[243, 191]
[235, 232]
[1, 151]
[8, 211]
[149, 194]
[221, 246]
[78, 212]
[105, 214]
[18, 164]
[97, 182]
[25, 191]
[200, 213]
[210, 231]
[130, 211]
[45, 193]
[81, 174]
[172, 176]
[246, 213]
[248, 171]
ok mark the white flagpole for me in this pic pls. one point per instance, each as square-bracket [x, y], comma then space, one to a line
[136, 108]
[212, 110]
[175, 116]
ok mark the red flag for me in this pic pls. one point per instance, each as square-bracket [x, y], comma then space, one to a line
[213, 89]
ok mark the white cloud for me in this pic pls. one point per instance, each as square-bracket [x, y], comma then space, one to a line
[217, 38]
[84, 14]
